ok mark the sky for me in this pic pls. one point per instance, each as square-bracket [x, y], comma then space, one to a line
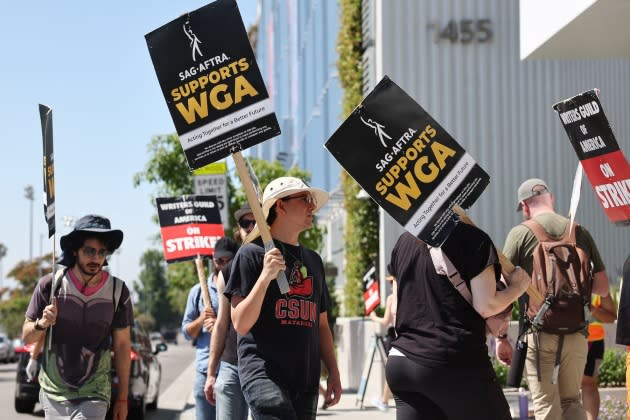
[88, 62]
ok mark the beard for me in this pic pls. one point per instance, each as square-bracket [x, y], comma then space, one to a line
[90, 268]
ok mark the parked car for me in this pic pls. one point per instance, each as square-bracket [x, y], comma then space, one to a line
[7, 352]
[26, 393]
[170, 336]
[144, 379]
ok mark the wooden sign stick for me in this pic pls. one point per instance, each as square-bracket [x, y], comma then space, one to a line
[203, 282]
[506, 264]
[252, 199]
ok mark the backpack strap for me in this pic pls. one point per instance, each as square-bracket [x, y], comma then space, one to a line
[538, 231]
[445, 267]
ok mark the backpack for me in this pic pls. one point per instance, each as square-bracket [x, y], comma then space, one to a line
[562, 274]
[496, 324]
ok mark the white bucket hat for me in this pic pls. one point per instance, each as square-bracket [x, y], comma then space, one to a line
[284, 187]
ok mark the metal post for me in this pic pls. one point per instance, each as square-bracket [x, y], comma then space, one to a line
[28, 194]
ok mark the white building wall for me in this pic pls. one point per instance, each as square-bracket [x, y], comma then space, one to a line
[498, 107]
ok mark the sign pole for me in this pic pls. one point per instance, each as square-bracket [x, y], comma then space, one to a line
[252, 199]
[201, 273]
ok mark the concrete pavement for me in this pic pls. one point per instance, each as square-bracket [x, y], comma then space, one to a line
[178, 398]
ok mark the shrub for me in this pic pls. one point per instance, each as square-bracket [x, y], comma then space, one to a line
[612, 372]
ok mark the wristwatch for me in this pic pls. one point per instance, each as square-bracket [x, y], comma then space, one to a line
[39, 327]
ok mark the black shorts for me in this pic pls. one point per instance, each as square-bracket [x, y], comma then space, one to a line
[594, 358]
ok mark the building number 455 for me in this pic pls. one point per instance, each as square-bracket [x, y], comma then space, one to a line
[464, 31]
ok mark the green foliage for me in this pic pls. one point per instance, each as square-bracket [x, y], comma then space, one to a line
[333, 308]
[145, 321]
[612, 372]
[362, 215]
[152, 290]
[12, 313]
[167, 167]
[350, 50]
[182, 277]
[501, 371]
[12, 310]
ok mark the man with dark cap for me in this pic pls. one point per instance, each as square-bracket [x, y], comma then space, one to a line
[245, 222]
[553, 399]
[82, 308]
[198, 323]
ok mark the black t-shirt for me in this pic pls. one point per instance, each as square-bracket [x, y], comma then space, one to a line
[435, 325]
[283, 344]
[229, 354]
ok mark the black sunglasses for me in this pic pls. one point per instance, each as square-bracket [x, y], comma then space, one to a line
[245, 223]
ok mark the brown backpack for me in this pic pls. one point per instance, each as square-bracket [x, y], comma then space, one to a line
[562, 274]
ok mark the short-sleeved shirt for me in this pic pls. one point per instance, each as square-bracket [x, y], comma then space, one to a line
[435, 325]
[195, 306]
[283, 344]
[521, 241]
[78, 364]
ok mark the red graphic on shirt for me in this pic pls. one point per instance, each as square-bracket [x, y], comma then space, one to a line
[298, 284]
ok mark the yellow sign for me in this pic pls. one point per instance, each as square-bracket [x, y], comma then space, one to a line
[214, 168]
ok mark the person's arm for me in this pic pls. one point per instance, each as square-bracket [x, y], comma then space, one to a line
[246, 310]
[600, 284]
[607, 311]
[386, 320]
[487, 300]
[327, 354]
[34, 331]
[121, 343]
[217, 344]
[193, 320]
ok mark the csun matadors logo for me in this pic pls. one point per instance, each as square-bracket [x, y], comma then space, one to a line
[378, 130]
[194, 41]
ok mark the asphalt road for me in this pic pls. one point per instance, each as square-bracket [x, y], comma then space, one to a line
[174, 360]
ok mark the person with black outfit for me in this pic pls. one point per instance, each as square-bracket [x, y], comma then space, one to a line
[438, 367]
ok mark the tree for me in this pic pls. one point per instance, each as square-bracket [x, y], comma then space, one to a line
[152, 290]
[12, 310]
[3, 253]
[361, 215]
[168, 170]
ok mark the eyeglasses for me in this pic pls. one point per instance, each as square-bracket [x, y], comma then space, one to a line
[88, 251]
[307, 198]
[246, 223]
[222, 261]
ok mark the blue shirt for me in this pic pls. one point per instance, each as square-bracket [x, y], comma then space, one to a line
[194, 307]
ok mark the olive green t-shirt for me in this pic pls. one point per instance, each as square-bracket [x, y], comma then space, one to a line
[521, 241]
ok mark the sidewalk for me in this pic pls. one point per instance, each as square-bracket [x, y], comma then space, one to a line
[178, 397]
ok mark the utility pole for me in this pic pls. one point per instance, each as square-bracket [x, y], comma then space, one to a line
[28, 194]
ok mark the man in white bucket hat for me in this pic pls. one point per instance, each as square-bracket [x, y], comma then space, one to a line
[282, 338]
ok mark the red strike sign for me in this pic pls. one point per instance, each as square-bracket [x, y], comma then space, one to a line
[185, 241]
[609, 176]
